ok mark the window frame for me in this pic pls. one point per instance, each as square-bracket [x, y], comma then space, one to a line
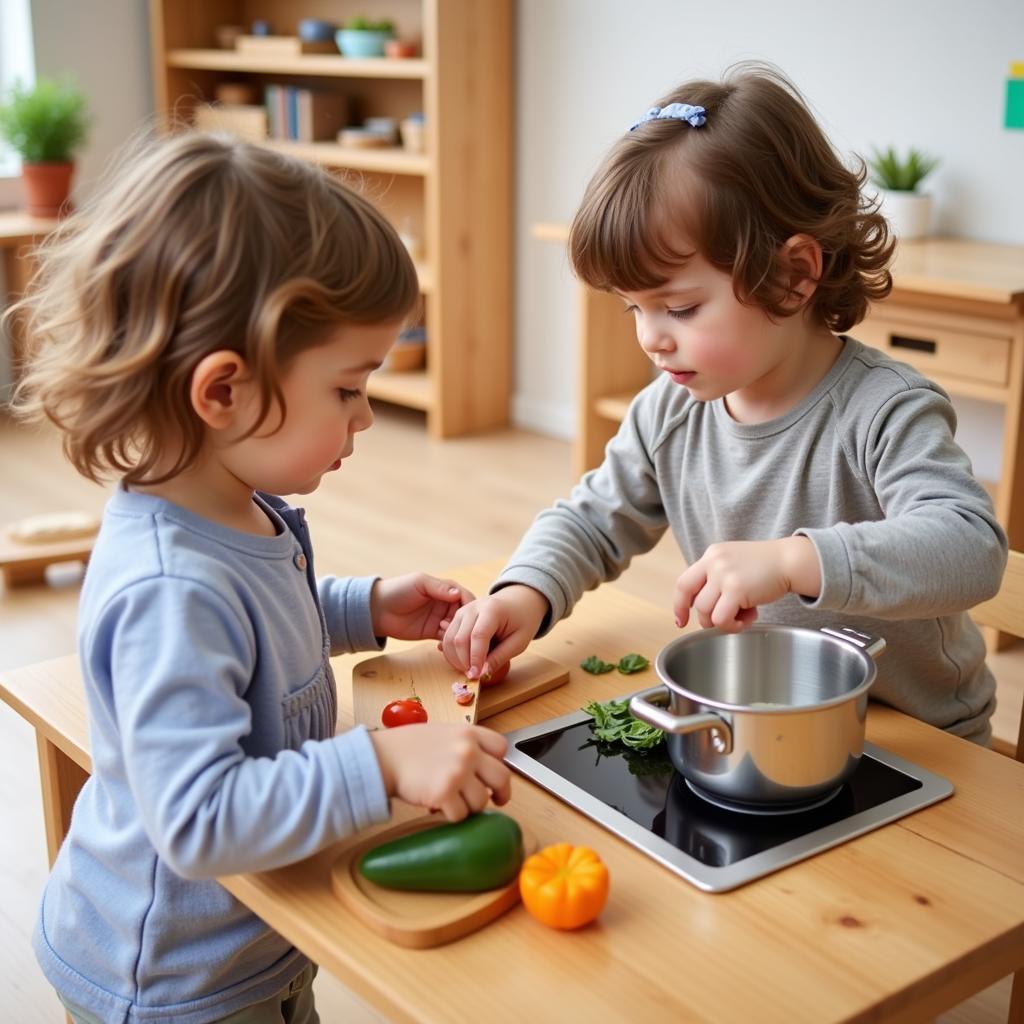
[17, 63]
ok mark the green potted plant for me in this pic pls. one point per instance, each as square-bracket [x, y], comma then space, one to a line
[898, 178]
[46, 124]
[361, 37]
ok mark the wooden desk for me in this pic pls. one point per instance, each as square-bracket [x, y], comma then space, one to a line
[18, 233]
[897, 925]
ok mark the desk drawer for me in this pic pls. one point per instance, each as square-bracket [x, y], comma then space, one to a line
[940, 351]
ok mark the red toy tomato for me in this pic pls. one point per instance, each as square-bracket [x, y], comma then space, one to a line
[403, 712]
[496, 677]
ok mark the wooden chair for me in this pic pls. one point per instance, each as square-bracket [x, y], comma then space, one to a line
[1005, 612]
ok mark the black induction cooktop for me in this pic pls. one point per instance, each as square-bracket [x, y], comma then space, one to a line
[639, 796]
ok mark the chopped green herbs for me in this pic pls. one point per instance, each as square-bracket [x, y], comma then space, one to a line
[613, 723]
[630, 663]
[639, 762]
[627, 664]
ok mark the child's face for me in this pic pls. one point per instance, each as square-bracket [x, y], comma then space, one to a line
[326, 406]
[695, 329]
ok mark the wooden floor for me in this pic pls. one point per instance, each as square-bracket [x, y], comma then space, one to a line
[404, 502]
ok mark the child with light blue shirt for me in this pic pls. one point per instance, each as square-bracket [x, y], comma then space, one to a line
[205, 330]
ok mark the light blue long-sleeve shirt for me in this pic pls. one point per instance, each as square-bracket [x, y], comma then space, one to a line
[212, 708]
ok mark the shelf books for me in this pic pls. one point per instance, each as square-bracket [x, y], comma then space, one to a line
[304, 115]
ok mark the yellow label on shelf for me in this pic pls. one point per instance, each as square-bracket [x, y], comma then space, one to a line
[1017, 69]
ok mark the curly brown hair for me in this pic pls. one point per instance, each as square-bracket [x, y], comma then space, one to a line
[759, 171]
[198, 243]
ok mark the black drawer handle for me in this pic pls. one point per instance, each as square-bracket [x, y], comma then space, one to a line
[915, 344]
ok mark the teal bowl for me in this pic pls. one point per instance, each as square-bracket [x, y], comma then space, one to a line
[361, 42]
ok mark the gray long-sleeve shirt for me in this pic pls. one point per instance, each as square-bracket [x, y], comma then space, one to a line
[865, 466]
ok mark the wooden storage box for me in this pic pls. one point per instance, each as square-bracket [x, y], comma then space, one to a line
[281, 46]
[247, 122]
[403, 358]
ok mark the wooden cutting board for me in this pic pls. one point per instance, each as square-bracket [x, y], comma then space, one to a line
[423, 670]
[418, 920]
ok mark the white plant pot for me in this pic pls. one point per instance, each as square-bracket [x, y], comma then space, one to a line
[908, 213]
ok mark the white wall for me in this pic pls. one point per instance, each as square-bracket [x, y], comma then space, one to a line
[928, 73]
[104, 46]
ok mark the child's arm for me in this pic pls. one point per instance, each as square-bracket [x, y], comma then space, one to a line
[415, 606]
[614, 513]
[935, 548]
[727, 583]
[175, 664]
[512, 616]
[359, 611]
[454, 769]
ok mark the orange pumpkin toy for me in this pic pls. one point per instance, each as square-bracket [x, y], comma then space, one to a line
[564, 886]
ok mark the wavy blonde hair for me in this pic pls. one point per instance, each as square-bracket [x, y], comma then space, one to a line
[198, 243]
[759, 171]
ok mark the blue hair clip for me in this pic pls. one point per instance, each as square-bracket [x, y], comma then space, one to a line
[693, 116]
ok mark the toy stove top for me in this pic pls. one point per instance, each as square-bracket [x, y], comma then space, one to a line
[641, 798]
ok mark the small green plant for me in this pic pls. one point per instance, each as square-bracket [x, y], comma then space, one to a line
[900, 174]
[360, 24]
[45, 123]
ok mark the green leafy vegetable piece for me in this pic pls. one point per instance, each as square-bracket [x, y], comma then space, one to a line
[595, 666]
[654, 761]
[630, 663]
[613, 723]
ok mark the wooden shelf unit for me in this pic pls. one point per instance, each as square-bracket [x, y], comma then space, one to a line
[384, 160]
[456, 196]
[307, 64]
[19, 233]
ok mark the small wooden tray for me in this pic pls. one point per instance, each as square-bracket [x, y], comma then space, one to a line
[23, 563]
[424, 671]
[360, 138]
[418, 920]
[282, 46]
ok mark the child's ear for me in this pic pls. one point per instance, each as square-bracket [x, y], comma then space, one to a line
[216, 389]
[801, 255]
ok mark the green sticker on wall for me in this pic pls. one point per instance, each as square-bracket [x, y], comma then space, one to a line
[1014, 103]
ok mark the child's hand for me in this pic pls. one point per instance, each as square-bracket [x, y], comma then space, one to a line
[455, 769]
[728, 582]
[414, 606]
[512, 616]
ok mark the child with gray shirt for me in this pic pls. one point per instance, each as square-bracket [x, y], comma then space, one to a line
[807, 479]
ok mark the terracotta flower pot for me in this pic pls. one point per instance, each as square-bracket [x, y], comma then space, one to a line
[47, 187]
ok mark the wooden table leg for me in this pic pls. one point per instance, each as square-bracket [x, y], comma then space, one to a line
[61, 779]
[18, 270]
[1016, 1014]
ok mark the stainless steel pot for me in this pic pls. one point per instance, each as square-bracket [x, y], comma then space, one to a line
[769, 717]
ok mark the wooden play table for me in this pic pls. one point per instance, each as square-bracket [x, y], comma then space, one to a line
[897, 925]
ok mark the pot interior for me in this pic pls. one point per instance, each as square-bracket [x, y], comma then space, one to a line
[764, 668]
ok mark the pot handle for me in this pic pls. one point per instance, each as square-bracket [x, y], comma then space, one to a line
[641, 706]
[872, 645]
